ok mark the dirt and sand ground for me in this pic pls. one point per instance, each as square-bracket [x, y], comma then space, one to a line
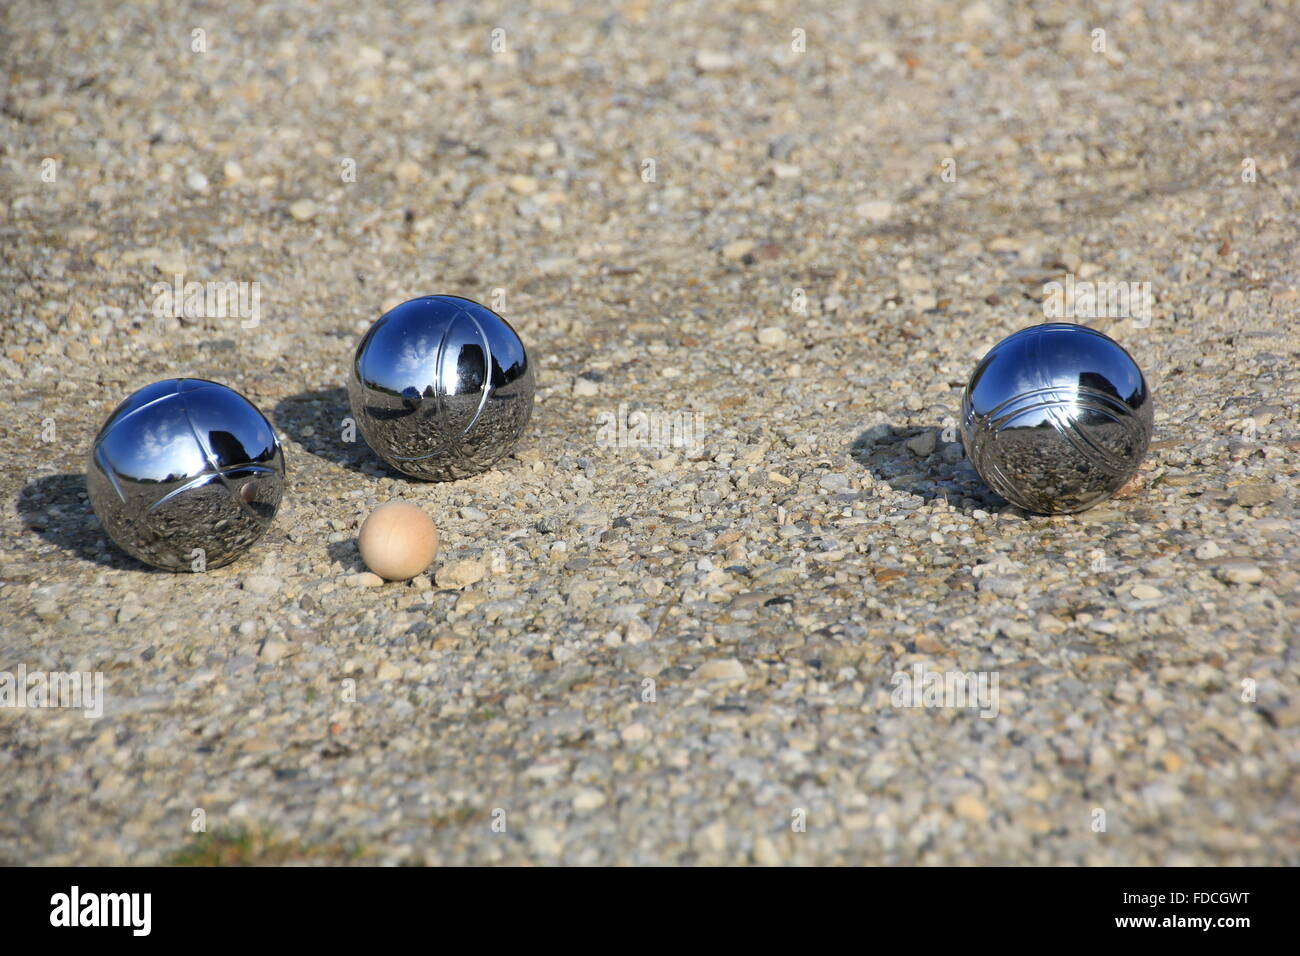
[788, 229]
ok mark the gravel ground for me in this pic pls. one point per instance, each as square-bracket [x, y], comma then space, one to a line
[794, 230]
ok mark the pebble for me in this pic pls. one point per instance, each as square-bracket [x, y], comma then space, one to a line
[459, 574]
[584, 801]
[274, 650]
[875, 210]
[635, 733]
[1208, 551]
[970, 807]
[523, 185]
[1248, 496]
[303, 210]
[1240, 572]
[924, 444]
[738, 249]
[729, 669]
[712, 61]
[262, 584]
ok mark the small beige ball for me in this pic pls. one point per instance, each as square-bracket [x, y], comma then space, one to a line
[398, 541]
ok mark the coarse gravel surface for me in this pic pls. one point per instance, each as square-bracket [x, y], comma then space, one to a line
[789, 230]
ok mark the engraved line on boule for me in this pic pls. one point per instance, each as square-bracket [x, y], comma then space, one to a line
[205, 478]
[487, 371]
[1069, 391]
[211, 460]
[139, 408]
[1104, 404]
[1080, 442]
[451, 444]
[1077, 440]
[109, 472]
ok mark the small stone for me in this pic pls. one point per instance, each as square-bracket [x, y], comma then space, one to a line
[928, 644]
[274, 649]
[523, 185]
[1145, 592]
[728, 669]
[303, 210]
[834, 481]
[459, 574]
[978, 14]
[587, 800]
[1004, 244]
[772, 336]
[545, 841]
[738, 249]
[875, 210]
[196, 182]
[970, 807]
[262, 584]
[924, 444]
[1208, 551]
[1240, 571]
[1006, 587]
[364, 579]
[170, 261]
[765, 853]
[1271, 525]
[635, 733]
[712, 61]
[585, 387]
[407, 172]
[711, 838]
[388, 671]
[1257, 493]
[1265, 414]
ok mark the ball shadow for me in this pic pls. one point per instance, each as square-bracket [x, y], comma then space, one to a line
[345, 553]
[316, 420]
[917, 461]
[57, 508]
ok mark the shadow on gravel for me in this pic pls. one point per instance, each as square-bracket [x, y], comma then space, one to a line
[346, 554]
[56, 508]
[315, 420]
[918, 461]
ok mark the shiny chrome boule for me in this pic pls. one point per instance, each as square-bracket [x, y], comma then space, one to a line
[441, 387]
[185, 474]
[1056, 418]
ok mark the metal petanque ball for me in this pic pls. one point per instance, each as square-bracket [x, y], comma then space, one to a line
[441, 387]
[1056, 418]
[185, 475]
